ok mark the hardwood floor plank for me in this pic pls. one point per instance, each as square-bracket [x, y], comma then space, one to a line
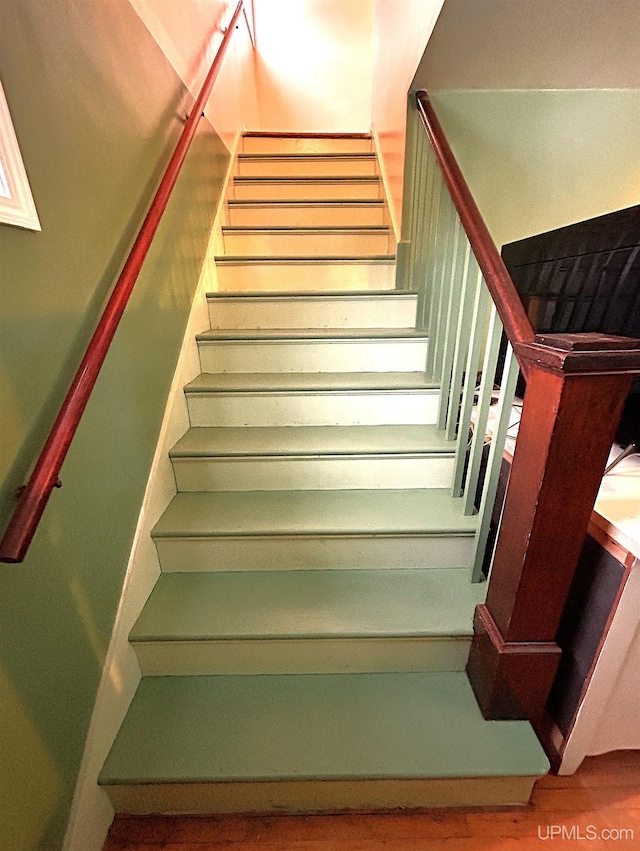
[587, 799]
[620, 768]
[424, 825]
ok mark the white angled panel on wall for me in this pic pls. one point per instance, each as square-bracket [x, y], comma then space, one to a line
[16, 201]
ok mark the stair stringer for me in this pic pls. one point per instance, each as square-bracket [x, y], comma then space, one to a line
[91, 811]
[395, 227]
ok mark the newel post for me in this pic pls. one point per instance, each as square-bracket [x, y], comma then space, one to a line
[576, 387]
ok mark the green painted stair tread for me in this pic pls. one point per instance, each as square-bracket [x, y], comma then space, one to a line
[310, 604]
[303, 334]
[351, 203]
[307, 382]
[307, 179]
[306, 202]
[305, 229]
[278, 441]
[328, 512]
[292, 134]
[321, 155]
[306, 295]
[303, 260]
[303, 727]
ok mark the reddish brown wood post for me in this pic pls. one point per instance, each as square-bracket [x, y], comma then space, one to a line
[576, 386]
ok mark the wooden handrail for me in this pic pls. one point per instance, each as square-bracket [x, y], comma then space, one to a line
[503, 291]
[35, 494]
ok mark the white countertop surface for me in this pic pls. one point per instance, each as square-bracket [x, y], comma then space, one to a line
[617, 507]
[618, 502]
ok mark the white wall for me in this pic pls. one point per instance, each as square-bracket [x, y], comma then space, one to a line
[189, 33]
[537, 44]
[314, 64]
[320, 65]
[539, 159]
[540, 101]
[401, 31]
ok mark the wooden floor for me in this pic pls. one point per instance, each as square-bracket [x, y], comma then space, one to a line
[573, 812]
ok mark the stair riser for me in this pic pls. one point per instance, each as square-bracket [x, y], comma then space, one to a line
[306, 215]
[324, 312]
[302, 145]
[275, 409]
[306, 190]
[307, 552]
[313, 356]
[330, 796]
[198, 744]
[326, 473]
[359, 166]
[299, 244]
[295, 277]
[301, 656]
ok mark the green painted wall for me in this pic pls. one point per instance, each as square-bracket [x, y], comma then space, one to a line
[540, 100]
[95, 106]
[537, 159]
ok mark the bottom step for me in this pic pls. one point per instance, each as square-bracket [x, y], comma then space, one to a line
[315, 743]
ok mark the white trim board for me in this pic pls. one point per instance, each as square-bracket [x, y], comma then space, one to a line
[16, 201]
[385, 183]
[608, 717]
[91, 811]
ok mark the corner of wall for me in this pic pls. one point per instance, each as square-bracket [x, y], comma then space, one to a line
[395, 224]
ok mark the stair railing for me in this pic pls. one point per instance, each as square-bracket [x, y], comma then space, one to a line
[33, 497]
[576, 387]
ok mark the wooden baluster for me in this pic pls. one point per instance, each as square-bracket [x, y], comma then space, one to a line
[434, 263]
[420, 180]
[471, 371]
[423, 236]
[454, 285]
[470, 274]
[576, 387]
[406, 250]
[494, 462]
[482, 406]
[438, 331]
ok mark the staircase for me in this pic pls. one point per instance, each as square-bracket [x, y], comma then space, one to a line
[304, 647]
